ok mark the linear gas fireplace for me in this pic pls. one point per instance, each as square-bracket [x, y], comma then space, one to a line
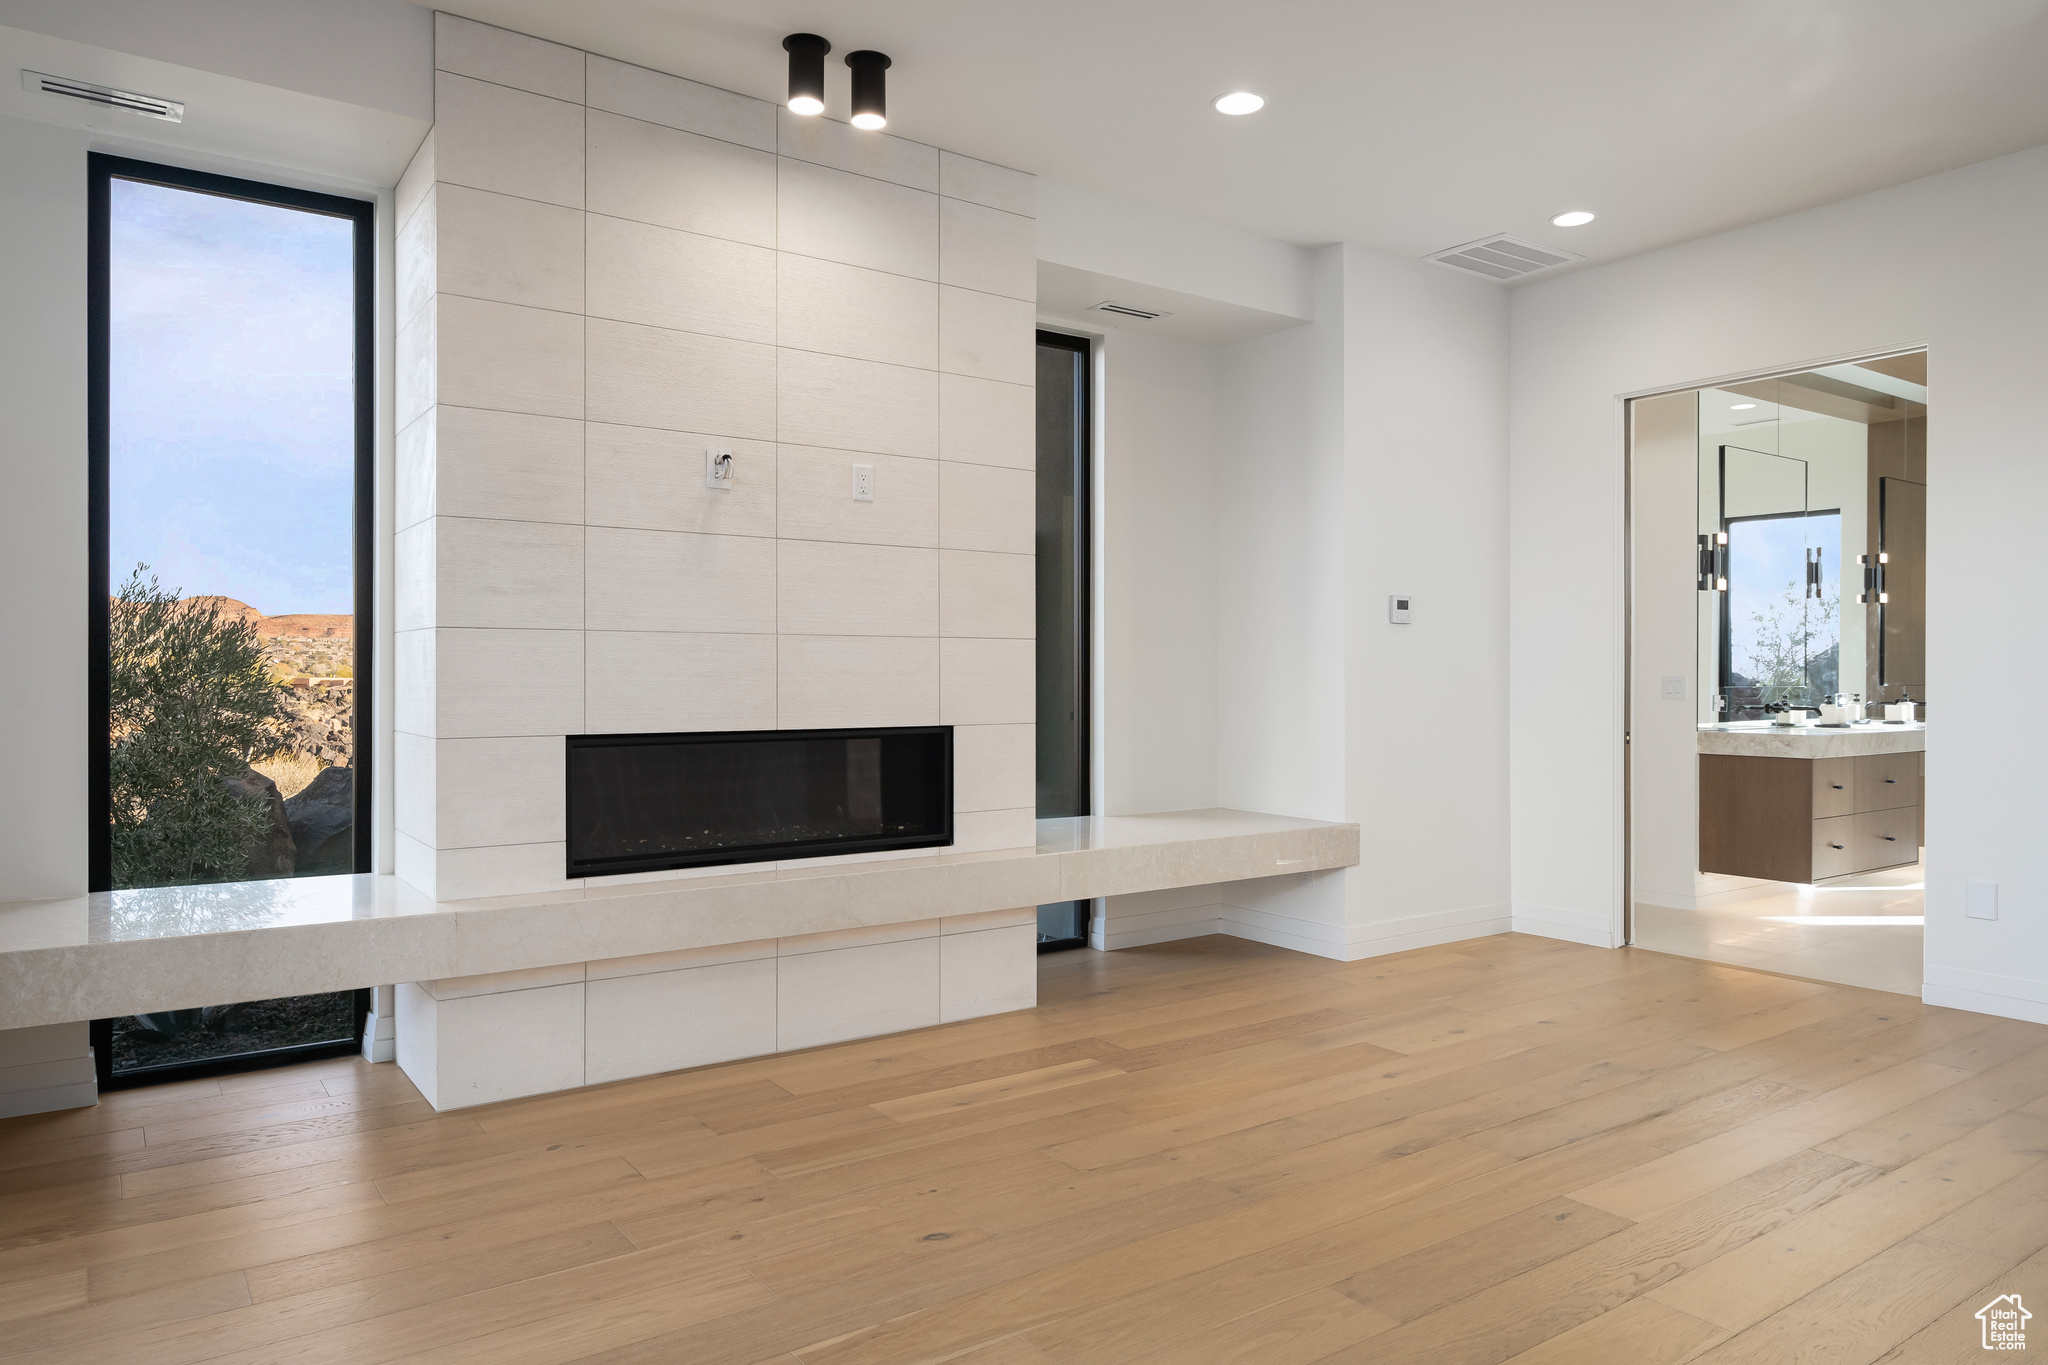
[642, 803]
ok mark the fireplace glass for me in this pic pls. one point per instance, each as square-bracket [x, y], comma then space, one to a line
[642, 803]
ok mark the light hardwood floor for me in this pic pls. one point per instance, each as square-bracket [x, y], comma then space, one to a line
[1505, 1149]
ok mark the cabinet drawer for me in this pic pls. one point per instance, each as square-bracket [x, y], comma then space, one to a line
[1834, 787]
[1887, 781]
[1886, 838]
[1834, 847]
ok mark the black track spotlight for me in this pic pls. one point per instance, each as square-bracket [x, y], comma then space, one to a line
[870, 89]
[806, 72]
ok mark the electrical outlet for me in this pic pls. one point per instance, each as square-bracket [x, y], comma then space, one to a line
[863, 483]
[1674, 687]
[717, 467]
[1980, 900]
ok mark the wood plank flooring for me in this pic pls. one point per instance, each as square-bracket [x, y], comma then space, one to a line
[1510, 1149]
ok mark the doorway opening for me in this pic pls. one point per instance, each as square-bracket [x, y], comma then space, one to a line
[1777, 698]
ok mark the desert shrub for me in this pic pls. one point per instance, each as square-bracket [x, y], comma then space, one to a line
[291, 770]
[190, 701]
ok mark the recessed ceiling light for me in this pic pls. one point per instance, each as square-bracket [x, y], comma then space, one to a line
[806, 72]
[1575, 218]
[1740, 407]
[1240, 102]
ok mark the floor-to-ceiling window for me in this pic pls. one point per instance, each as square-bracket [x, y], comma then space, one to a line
[231, 442]
[1062, 549]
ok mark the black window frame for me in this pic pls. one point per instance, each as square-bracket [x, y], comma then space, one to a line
[1083, 579]
[102, 169]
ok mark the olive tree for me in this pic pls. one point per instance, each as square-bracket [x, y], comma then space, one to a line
[190, 703]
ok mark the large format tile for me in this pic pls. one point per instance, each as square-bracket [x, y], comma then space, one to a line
[414, 494]
[983, 831]
[995, 767]
[991, 971]
[987, 336]
[507, 682]
[983, 182]
[413, 574]
[987, 682]
[662, 277]
[412, 789]
[415, 183]
[814, 498]
[414, 266]
[506, 58]
[507, 574]
[491, 137]
[680, 381]
[845, 404]
[507, 249]
[853, 311]
[987, 249]
[508, 358]
[492, 1047]
[656, 97]
[857, 992]
[834, 680]
[510, 466]
[984, 421]
[677, 581]
[489, 792]
[647, 681]
[857, 220]
[828, 587]
[828, 142]
[681, 180]
[415, 381]
[991, 595]
[462, 874]
[664, 1021]
[654, 480]
[982, 507]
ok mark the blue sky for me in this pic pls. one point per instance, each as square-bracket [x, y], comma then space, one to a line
[231, 427]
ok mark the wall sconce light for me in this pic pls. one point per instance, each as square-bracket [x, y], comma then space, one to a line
[1713, 564]
[870, 93]
[1873, 578]
[806, 72]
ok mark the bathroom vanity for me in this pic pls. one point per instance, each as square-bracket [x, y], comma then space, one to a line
[1806, 803]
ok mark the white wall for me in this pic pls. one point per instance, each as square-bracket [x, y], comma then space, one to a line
[1157, 574]
[1957, 257]
[43, 739]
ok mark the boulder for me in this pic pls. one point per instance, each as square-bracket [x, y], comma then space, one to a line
[272, 855]
[322, 819]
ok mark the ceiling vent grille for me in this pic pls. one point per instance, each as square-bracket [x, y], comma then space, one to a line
[170, 111]
[1502, 257]
[1130, 310]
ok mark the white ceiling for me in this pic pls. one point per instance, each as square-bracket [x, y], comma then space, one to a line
[1403, 124]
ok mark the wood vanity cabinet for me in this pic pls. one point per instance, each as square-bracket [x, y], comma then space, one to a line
[1808, 819]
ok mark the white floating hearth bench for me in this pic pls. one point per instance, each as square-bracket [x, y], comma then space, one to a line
[522, 995]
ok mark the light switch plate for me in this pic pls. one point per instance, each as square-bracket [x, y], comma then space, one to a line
[717, 467]
[1674, 687]
[1980, 900]
[863, 483]
[1398, 606]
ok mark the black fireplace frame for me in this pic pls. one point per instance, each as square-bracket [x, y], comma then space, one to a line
[819, 848]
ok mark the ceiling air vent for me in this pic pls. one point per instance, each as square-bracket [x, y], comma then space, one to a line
[1502, 257]
[170, 111]
[1129, 310]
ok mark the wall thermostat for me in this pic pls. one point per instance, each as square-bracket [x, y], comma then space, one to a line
[1397, 609]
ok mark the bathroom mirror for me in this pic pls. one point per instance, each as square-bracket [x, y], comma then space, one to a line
[1812, 539]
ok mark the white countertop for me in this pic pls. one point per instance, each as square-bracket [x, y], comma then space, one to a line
[123, 952]
[1762, 739]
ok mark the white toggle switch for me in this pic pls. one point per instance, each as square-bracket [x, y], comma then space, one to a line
[863, 483]
[1397, 609]
[717, 467]
[1674, 687]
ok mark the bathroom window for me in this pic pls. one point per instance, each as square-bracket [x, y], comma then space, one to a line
[231, 433]
[1784, 619]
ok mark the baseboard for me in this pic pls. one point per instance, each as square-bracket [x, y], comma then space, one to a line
[1712, 900]
[1574, 926]
[1377, 938]
[1111, 939]
[2008, 997]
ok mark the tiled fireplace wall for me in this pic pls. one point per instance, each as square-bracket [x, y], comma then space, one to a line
[602, 271]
